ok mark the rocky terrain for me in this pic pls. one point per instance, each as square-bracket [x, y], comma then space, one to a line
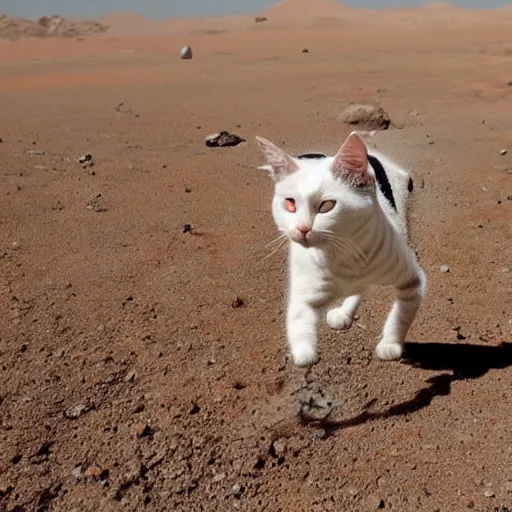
[143, 363]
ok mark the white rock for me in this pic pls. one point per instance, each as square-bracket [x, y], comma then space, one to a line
[186, 52]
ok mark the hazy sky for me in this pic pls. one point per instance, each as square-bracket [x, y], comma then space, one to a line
[175, 8]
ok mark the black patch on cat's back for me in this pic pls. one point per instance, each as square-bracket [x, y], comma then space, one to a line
[380, 175]
[382, 180]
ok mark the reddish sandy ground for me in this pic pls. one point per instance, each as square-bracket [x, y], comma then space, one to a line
[129, 381]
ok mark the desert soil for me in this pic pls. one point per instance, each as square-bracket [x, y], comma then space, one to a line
[145, 368]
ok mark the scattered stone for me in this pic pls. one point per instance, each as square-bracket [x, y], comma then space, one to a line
[124, 108]
[503, 152]
[489, 494]
[223, 139]
[278, 448]
[238, 385]
[260, 19]
[238, 490]
[130, 376]
[459, 335]
[444, 269]
[142, 430]
[187, 228]
[15, 246]
[188, 190]
[76, 411]
[96, 203]
[34, 152]
[77, 472]
[194, 409]
[85, 160]
[315, 405]
[238, 303]
[372, 117]
[186, 53]
[93, 472]
[305, 50]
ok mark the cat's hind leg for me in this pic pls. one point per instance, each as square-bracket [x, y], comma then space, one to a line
[343, 316]
[409, 297]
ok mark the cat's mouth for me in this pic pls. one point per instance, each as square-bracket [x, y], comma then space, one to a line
[310, 240]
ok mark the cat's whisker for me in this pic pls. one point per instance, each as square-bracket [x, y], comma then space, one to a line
[282, 244]
[276, 240]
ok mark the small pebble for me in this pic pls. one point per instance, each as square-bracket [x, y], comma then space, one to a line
[187, 228]
[85, 160]
[93, 472]
[76, 411]
[142, 430]
[77, 472]
[186, 53]
[444, 269]
[237, 490]
[130, 376]
[503, 152]
[489, 494]
[34, 152]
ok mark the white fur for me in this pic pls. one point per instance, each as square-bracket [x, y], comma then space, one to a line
[361, 242]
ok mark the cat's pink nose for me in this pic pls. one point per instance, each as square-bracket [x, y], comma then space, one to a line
[304, 230]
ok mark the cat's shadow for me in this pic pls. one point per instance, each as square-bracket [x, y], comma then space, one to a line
[462, 361]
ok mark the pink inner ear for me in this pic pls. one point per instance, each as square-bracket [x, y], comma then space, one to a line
[352, 159]
[280, 162]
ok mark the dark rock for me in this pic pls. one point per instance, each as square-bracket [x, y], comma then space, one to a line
[238, 303]
[85, 160]
[223, 139]
[305, 50]
[187, 228]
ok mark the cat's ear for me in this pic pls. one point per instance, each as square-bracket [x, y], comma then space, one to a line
[351, 161]
[278, 163]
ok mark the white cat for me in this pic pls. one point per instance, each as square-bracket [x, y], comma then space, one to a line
[345, 218]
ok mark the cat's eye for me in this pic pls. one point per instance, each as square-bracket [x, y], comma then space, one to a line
[289, 204]
[326, 206]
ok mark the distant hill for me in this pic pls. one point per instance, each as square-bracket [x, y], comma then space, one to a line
[48, 26]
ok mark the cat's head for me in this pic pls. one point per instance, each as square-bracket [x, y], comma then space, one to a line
[317, 200]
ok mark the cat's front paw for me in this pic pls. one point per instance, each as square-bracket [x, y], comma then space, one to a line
[389, 351]
[338, 319]
[304, 355]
